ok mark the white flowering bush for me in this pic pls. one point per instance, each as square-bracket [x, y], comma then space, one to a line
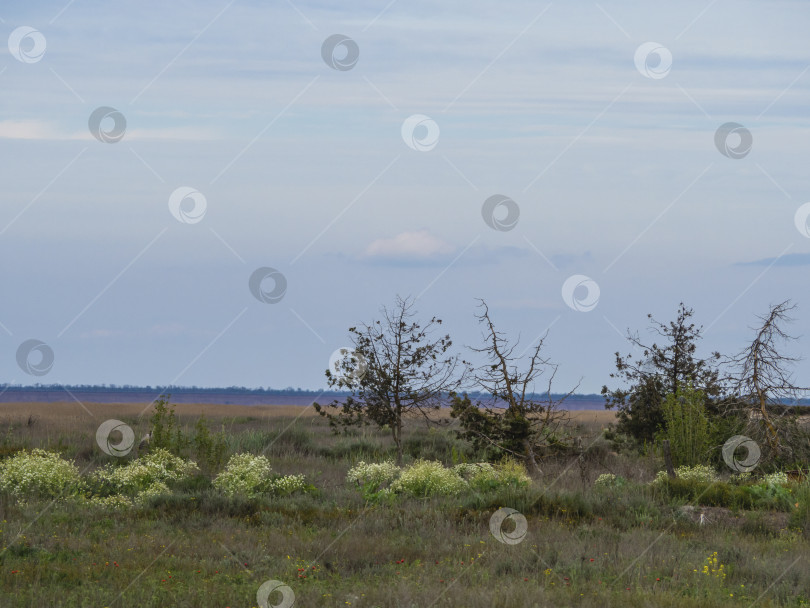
[373, 475]
[424, 478]
[469, 470]
[252, 476]
[38, 473]
[429, 478]
[700, 473]
[607, 480]
[245, 474]
[156, 489]
[775, 479]
[484, 476]
[288, 484]
[137, 476]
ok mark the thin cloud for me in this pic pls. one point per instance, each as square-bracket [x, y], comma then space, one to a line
[41, 130]
[791, 259]
[420, 245]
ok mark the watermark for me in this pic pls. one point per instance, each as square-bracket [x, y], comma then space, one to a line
[653, 60]
[733, 140]
[494, 204]
[123, 447]
[27, 44]
[752, 456]
[348, 366]
[258, 285]
[340, 52]
[280, 591]
[497, 520]
[29, 363]
[112, 133]
[420, 133]
[573, 296]
[801, 219]
[198, 205]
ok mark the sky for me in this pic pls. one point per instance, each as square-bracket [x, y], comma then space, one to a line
[211, 193]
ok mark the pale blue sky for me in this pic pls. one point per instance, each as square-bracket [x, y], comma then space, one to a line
[304, 169]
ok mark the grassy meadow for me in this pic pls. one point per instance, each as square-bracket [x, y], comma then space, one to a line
[626, 543]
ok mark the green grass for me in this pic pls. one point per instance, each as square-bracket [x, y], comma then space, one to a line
[633, 545]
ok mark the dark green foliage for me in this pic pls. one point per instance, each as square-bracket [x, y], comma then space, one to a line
[490, 433]
[687, 426]
[662, 369]
[210, 450]
[166, 432]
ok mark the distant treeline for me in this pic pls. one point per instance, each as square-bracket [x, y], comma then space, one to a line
[229, 394]
[111, 393]
[131, 388]
[227, 390]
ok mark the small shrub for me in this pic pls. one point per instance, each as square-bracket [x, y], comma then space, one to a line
[245, 474]
[251, 476]
[38, 473]
[288, 484]
[381, 481]
[428, 478]
[159, 466]
[483, 476]
[609, 481]
[770, 494]
[698, 473]
[166, 431]
[373, 476]
[775, 479]
[687, 425]
[210, 449]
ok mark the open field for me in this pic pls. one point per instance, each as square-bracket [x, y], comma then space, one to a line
[634, 545]
[59, 412]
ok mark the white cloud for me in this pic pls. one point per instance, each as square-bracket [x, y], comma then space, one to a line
[27, 129]
[41, 130]
[409, 245]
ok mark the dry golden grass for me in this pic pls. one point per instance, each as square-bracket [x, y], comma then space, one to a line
[74, 413]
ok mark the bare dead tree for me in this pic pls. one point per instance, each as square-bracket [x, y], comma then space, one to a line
[763, 376]
[397, 370]
[517, 422]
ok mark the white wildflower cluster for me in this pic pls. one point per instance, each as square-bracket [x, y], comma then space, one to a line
[775, 479]
[484, 476]
[141, 475]
[700, 473]
[605, 480]
[245, 474]
[288, 484]
[431, 478]
[373, 475]
[252, 476]
[428, 478]
[156, 489]
[38, 473]
[471, 470]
